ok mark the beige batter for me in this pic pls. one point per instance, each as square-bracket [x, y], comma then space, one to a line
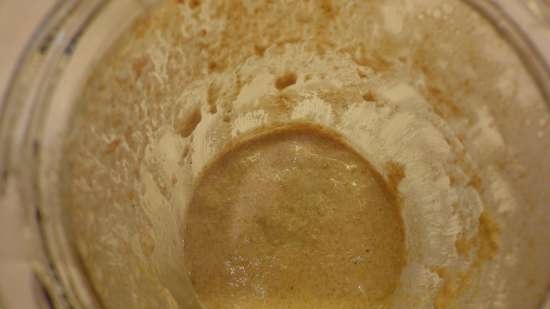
[293, 218]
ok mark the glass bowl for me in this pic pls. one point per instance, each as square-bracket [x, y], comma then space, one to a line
[37, 110]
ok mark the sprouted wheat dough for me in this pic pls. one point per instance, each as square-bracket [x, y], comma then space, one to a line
[295, 213]
[311, 154]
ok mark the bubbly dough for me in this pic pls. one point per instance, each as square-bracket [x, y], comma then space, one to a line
[297, 215]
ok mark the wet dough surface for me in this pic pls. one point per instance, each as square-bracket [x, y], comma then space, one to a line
[293, 218]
